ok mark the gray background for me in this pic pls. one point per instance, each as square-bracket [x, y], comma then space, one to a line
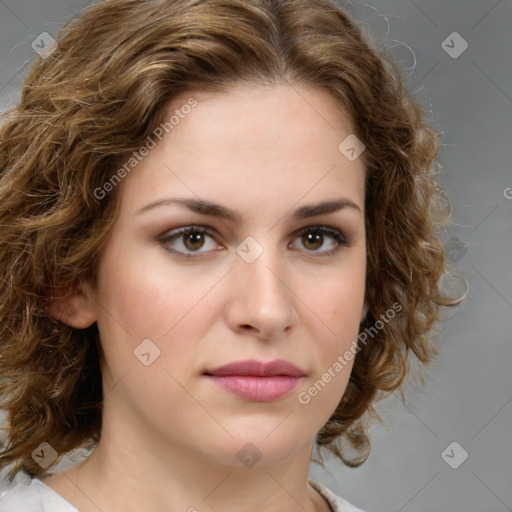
[468, 395]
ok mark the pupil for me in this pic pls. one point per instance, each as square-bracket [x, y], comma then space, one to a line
[196, 239]
[314, 239]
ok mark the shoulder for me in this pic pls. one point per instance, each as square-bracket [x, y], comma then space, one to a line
[33, 496]
[337, 503]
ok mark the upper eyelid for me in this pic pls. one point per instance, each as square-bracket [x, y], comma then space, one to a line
[213, 231]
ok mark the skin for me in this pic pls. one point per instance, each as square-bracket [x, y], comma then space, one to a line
[170, 437]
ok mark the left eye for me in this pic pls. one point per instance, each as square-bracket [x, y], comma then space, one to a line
[194, 238]
[313, 238]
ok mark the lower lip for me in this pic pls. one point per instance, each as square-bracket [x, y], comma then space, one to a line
[256, 389]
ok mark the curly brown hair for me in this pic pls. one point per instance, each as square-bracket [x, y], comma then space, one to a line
[97, 98]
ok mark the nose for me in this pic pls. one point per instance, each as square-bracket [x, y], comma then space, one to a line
[261, 298]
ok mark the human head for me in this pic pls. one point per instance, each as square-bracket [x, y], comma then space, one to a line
[72, 129]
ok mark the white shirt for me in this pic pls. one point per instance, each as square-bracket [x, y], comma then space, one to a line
[38, 497]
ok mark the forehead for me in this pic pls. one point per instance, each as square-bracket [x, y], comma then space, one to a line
[253, 141]
[252, 114]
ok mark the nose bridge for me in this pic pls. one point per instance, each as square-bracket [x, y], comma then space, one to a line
[263, 299]
[261, 271]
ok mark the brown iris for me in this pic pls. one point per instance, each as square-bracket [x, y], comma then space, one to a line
[313, 237]
[194, 240]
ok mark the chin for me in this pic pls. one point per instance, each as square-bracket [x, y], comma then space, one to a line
[260, 442]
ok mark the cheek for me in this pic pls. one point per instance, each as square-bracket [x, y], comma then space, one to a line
[149, 302]
[337, 309]
[337, 304]
[149, 299]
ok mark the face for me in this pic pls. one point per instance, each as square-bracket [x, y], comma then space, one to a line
[245, 266]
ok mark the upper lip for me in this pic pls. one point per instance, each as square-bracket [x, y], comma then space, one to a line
[258, 369]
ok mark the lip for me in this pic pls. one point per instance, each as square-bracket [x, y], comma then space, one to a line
[254, 368]
[257, 381]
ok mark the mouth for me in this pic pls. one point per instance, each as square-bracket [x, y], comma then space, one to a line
[257, 381]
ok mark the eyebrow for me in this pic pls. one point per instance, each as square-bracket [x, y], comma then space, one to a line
[212, 209]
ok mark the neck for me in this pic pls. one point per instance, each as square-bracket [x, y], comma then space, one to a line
[131, 471]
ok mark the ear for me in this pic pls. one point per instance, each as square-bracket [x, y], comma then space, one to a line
[73, 307]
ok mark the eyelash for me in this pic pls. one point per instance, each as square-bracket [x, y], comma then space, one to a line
[337, 235]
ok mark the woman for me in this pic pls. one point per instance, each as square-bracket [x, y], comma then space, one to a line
[219, 246]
